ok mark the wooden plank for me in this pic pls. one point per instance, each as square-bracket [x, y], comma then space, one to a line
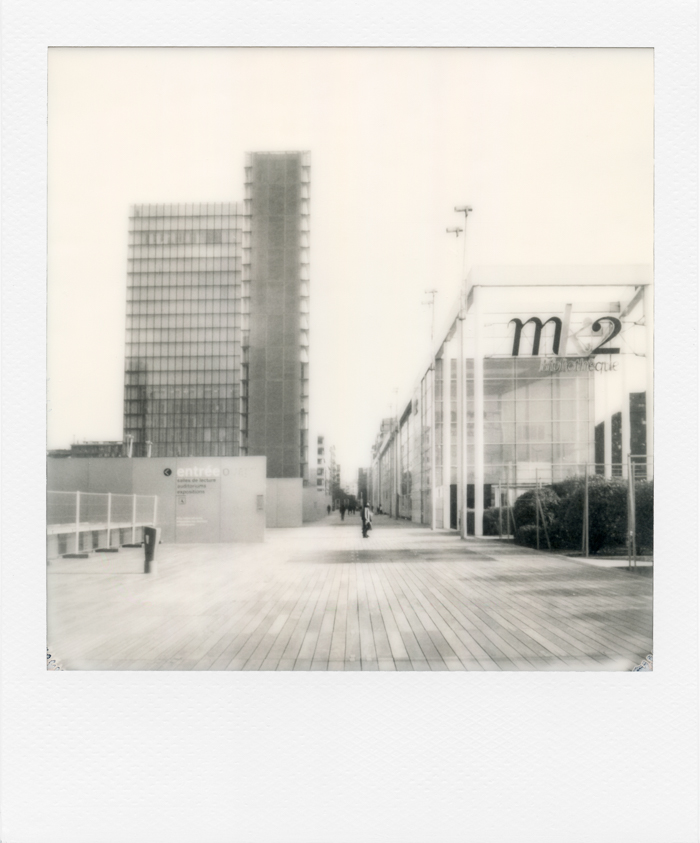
[337, 649]
[368, 650]
[462, 645]
[415, 653]
[379, 632]
[293, 646]
[321, 654]
[352, 629]
[276, 653]
[396, 646]
[310, 639]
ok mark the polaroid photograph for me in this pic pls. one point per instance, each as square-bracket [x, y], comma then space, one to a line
[350, 423]
[350, 368]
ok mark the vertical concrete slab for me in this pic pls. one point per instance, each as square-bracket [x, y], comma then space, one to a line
[270, 503]
[243, 493]
[314, 504]
[285, 499]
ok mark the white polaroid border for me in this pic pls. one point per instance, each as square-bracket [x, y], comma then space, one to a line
[114, 756]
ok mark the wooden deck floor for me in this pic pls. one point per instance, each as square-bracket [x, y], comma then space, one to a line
[323, 598]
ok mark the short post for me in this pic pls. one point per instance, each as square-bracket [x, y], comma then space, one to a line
[109, 519]
[585, 512]
[509, 513]
[544, 524]
[631, 514]
[77, 522]
[133, 519]
[537, 509]
[500, 513]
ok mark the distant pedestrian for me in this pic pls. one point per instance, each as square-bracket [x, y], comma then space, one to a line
[366, 520]
[342, 512]
[328, 509]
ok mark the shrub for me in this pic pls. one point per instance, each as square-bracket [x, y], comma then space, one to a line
[607, 513]
[644, 513]
[526, 507]
[527, 536]
[565, 488]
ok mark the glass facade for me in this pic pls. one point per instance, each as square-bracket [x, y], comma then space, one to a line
[183, 388]
[534, 421]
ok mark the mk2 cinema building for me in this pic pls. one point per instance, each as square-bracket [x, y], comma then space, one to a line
[544, 373]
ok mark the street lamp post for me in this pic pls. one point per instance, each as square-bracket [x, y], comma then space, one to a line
[462, 386]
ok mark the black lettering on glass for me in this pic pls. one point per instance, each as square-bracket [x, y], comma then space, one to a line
[539, 325]
[615, 328]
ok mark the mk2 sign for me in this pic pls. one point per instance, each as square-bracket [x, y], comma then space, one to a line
[593, 337]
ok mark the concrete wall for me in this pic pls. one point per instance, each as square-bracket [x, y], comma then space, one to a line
[200, 499]
[314, 504]
[284, 502]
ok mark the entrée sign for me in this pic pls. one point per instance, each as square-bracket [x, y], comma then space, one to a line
[193, 481]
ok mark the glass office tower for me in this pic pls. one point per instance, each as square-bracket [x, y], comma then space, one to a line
[183, 385]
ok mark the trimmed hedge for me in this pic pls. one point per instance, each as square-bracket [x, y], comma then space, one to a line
[527, 536]
[562, 505]
[607, 513]
[526, 507]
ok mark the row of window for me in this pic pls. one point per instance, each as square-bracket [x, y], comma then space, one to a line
[184, 422]
[187, 377]
[175, 337]
[185, 334]
[156, 353]
[184, 321]
[194, 281]
[226, 222]
[199, 449]
[180, 307]
[182, 264]
[223, 432]
[202, 393]
[188, 210]
[188, 237]
[173, 406]
[179, 348]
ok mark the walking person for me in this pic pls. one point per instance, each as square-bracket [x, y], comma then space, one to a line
[366, 520]
[328, 509]
[342, 512]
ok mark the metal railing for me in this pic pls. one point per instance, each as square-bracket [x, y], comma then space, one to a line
[76, 513]
[629, 478]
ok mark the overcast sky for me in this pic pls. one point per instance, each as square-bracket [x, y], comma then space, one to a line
[553, 149]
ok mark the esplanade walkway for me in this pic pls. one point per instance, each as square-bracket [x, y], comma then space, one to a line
[321, 597]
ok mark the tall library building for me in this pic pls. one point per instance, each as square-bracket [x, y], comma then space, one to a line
[217, 323]
[544, 373]
[216, 383]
